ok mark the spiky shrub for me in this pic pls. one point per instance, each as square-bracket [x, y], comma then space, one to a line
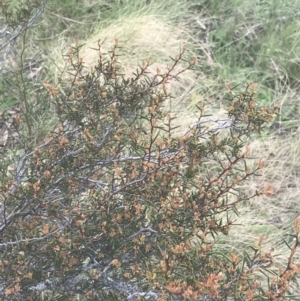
[116, 204]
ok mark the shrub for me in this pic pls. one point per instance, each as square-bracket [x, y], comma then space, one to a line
[114, 204]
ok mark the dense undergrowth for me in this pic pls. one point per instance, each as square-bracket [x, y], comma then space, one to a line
[235, 42]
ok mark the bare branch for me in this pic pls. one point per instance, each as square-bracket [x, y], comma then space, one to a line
[11, 37]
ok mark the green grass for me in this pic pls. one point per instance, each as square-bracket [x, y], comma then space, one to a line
[257, 40]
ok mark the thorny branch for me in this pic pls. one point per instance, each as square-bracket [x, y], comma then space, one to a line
[78, 280]
[102, 199]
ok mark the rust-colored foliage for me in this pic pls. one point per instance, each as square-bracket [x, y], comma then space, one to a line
[115, 205]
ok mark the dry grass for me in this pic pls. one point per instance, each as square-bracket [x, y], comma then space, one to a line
[271, 216]
[149, 37]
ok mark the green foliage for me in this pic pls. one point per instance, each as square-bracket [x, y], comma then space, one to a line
[18, 13]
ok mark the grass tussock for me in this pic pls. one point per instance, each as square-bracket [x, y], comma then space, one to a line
[270, 215]
[146, 37]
